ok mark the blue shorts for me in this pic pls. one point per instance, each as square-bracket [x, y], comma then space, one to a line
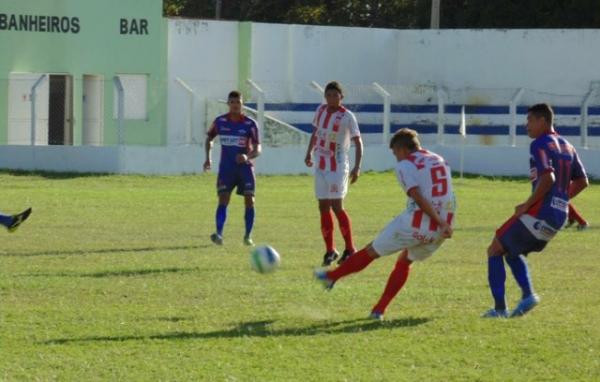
[517, 240]
[242, 178]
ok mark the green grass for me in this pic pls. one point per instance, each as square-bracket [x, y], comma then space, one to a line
[114, 278]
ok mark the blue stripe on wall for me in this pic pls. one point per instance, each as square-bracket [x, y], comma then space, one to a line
[424, 109]
[366, 128]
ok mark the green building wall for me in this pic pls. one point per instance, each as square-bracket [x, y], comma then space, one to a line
[95, 43]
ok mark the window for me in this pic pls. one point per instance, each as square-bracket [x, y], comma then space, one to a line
[135, 90]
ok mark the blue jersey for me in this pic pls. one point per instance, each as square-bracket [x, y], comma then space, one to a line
[553, 153]
[236, 137]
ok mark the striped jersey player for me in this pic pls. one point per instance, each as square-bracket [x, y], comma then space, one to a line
[335, 127]
[418, 231]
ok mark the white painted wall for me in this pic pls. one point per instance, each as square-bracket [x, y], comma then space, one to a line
[474, 66]
[204, 54]
[512, 161]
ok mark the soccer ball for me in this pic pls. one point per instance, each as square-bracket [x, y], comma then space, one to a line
[264, 259]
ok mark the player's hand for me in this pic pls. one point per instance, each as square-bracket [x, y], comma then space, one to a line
[241, 158]
[308, 160]
[446, 230]
[206, 165]
[354, 174]
[521, 209]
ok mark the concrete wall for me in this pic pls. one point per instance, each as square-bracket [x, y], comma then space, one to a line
[511, 161]
[475, 67]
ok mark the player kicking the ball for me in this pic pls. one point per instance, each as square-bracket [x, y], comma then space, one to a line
[334, 128]
[556, 176]
[420, 230]
[12, 222]
[239, 145]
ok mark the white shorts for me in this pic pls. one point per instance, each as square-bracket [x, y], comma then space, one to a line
[399, 234]
[331, 185]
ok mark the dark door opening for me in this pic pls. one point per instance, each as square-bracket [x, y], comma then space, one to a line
[60, 110]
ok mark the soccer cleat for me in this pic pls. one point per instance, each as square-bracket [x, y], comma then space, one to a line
[493, 313]
[18, 219]
[329, 258]
[525, 305]
[216, 238]
[583, 227]
[321, 275]
[248, 241]
[376, 316]
[345, 255]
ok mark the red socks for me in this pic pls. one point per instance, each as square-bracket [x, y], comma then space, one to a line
[353, 264]
[327, 229]
[345, 228]
[395, 283]
[574, 215]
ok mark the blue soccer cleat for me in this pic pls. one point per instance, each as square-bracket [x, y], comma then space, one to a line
[525, 305]
[321, 275]
[216, 238]
[493, 313]
[18, 219]
[376, 316]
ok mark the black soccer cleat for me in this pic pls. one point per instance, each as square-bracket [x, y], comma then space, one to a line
[18, 219]
[330, 258]
[345, 255]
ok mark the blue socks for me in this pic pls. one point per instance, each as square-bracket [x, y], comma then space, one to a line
[520, 271]
[497, 278]
[6, 220]
[220, 218]
[249, 219]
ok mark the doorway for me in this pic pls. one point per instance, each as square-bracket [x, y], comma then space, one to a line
[60, 110]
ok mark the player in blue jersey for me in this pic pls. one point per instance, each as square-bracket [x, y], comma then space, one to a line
[12, 222]
[240, 144]
[557, 175]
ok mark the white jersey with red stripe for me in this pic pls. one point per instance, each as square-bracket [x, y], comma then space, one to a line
[333, 132]
[429, 172]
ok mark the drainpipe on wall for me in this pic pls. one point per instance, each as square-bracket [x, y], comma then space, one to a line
[32, 97]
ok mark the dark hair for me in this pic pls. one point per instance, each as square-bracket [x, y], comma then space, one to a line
[334, 85]
[405, 138]
[234, 94]
[542, 110]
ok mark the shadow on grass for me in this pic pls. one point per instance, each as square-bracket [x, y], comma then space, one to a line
[120, 273]
[261, 329]
[80, 252]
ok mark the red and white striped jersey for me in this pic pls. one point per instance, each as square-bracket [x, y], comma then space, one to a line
[429, 172]
[333, 132]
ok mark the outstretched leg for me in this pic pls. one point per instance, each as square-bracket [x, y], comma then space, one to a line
[395, 282]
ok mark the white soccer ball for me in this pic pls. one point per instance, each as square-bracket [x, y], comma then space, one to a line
[264, 259]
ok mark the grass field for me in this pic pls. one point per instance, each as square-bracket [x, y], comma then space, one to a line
[114, 278]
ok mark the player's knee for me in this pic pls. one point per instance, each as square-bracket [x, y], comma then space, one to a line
[224, 199]
[249, 201]
[337, 206]
[324, 206]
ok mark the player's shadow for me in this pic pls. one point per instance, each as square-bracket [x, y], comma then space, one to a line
[262, 329]
[82, 252]
[118, 273]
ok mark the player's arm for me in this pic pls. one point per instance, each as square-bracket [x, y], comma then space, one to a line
[355, 173]
[577, 185]
[311, 144]
[427, 208]
[254, 153]
[208, 143]
[579, 179]
[544, 185]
